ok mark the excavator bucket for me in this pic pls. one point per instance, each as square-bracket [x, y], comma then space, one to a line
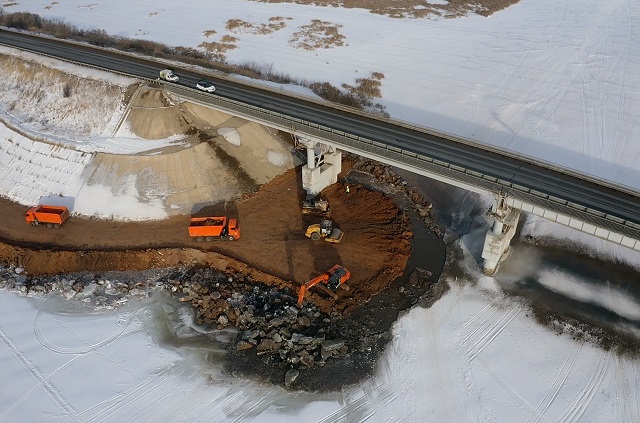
[303, 289]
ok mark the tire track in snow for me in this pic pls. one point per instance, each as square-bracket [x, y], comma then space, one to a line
[26, 395]
[347, 412]
[90, 347]
[133, 399]
[491, 333]
[558, 383]
[510, 390]
[578, 405]
[44, 382]
[479, 320]
[628, 391]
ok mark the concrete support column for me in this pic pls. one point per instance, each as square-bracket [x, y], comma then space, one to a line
[324, 163]
[311, 158]
[497, 227]
[498, 238]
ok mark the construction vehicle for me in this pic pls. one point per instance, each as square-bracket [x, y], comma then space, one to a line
[216, 227]
[52, 216]
[334, 278]
[313, 206]
[324, 230]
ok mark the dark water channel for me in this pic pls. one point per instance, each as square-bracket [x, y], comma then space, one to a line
[595, 298]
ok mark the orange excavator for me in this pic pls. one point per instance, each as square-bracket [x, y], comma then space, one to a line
[334, 278]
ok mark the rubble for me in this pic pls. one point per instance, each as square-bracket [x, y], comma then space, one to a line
[267, 321]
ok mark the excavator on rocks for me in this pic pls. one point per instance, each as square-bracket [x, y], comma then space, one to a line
[333, 278]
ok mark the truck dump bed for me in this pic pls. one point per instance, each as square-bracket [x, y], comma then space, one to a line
[49, 215]
[207, 226]
[215, 227]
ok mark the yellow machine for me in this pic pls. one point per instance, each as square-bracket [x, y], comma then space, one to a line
[324, 230]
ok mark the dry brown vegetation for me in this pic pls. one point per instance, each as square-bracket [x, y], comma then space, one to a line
[210, 55]
[219, 49]
[413, 8]
[366, 87]
[318, 34]
[238, 26]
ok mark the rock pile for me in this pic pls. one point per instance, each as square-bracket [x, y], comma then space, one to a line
[268, 321]
[89, 288]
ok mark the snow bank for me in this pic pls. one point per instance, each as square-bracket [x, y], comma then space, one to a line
[30, 170]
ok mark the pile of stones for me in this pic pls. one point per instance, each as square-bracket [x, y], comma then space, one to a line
[89, 288]
[268, 323]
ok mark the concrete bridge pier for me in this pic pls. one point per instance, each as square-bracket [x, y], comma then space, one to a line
[324, 163]
[498, 238]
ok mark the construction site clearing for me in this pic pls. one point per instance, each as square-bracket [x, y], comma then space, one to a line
[299, 323]
[386, 239]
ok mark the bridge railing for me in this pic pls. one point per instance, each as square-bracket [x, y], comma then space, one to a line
[428, 164]
[392, 121]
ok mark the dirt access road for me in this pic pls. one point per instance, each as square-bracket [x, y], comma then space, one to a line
[272, 248]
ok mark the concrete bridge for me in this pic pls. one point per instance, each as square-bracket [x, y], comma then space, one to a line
[518, 183]
[324, 146]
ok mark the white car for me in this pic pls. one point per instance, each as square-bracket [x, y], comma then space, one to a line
[168, 75]
[205, 86]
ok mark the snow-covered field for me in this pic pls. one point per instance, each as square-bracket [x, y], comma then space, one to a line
[555, 80]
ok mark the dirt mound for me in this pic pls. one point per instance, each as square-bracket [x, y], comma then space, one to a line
[153, 115]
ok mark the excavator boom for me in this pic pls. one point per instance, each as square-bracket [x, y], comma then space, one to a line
[333, 279]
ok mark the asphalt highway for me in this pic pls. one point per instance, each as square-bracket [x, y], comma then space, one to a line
[601, 197]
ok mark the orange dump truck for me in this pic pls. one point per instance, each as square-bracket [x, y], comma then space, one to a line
[52, 216]
[210, 228]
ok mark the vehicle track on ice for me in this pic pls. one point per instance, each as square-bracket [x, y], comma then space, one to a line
[56, 396]
[486, 338]
[578, 405]
[90, 347]
[558, 383]
[628, 392]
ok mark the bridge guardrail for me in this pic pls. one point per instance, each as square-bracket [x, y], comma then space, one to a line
[424, 162]
[394, 121]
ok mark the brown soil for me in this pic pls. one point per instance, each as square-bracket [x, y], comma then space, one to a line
[272, 248]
